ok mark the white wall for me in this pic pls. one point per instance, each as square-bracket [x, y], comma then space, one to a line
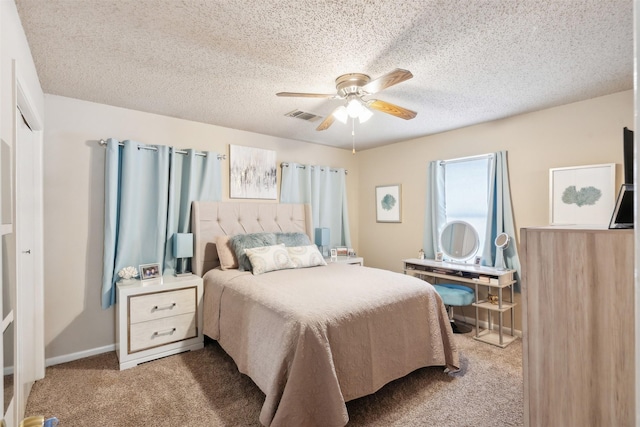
[74, 203]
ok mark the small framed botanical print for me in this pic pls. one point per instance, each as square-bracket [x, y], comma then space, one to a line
[388, 203]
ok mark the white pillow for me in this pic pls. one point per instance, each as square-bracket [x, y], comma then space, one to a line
[306, 256]
[268, 258]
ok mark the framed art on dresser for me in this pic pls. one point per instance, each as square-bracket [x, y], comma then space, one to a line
[582, 195]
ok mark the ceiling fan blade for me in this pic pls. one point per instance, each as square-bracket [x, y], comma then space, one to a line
[328, 121]
[392, 109]
[305, 95]
[393, 78]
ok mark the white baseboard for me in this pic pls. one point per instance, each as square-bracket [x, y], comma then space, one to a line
[79, 355]
[484, 324]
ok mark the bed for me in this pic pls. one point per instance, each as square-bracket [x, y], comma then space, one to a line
[313, 338]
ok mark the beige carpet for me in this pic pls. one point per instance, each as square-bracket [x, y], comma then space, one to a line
[204, 388]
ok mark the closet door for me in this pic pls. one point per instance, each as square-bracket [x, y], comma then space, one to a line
[27, 250]
[21, 244]
[26, 290]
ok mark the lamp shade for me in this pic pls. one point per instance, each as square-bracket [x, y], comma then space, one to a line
[322, 236]
[183, 245]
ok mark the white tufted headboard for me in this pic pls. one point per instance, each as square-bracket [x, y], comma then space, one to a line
[212, 219]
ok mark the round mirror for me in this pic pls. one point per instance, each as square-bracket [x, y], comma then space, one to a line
[502, 241]
[459, 240]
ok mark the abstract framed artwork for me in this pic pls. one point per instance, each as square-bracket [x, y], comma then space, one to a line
[388, 203]
[582, 195]
[252, 173]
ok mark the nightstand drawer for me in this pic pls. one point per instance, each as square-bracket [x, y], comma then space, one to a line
[161, 331]
[159, 305]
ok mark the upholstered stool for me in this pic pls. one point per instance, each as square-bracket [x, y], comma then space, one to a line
[455, 295]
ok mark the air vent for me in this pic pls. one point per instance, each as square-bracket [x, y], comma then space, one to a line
[303, 115]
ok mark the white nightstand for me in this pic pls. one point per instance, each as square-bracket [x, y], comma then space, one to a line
[158, 319]
[346, 260]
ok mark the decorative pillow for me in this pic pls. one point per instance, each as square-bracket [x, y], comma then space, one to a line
[293, 239]
[241, 242]
[228, 260]
[306, 256]
[268, 258]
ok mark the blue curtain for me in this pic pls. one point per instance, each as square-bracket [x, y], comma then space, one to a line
[325, 189]
[434, 217]
[191, 177]
[500, 218]
[138, 213]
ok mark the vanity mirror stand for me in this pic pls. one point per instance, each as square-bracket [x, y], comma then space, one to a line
[459, 242]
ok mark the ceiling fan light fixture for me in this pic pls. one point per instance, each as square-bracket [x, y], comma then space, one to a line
[354, 107]
[365, 115]
[351, 88]
[341, 114]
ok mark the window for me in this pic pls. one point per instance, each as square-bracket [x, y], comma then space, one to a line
[466, 191]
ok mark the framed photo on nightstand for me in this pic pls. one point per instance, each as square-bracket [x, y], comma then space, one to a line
[149, 271]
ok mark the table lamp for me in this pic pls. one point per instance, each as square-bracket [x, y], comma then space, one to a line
[182, 248]
[322, 239]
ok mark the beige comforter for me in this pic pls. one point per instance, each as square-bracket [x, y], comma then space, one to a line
[314, 338]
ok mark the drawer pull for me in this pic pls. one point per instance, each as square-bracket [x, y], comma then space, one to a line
[167, 332]
[166, 307]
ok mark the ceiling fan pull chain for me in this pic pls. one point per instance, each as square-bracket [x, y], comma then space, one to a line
[353, 136]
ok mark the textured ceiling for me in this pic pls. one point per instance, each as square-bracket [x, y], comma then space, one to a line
[222, 62]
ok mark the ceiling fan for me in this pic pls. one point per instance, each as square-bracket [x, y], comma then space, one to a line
[353, 87]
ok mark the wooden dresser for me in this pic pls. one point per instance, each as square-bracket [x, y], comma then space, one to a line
[578, 326]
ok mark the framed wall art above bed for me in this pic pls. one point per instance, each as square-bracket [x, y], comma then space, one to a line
[252, 173]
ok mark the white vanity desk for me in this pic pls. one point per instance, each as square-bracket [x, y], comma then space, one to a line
[491, 278]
